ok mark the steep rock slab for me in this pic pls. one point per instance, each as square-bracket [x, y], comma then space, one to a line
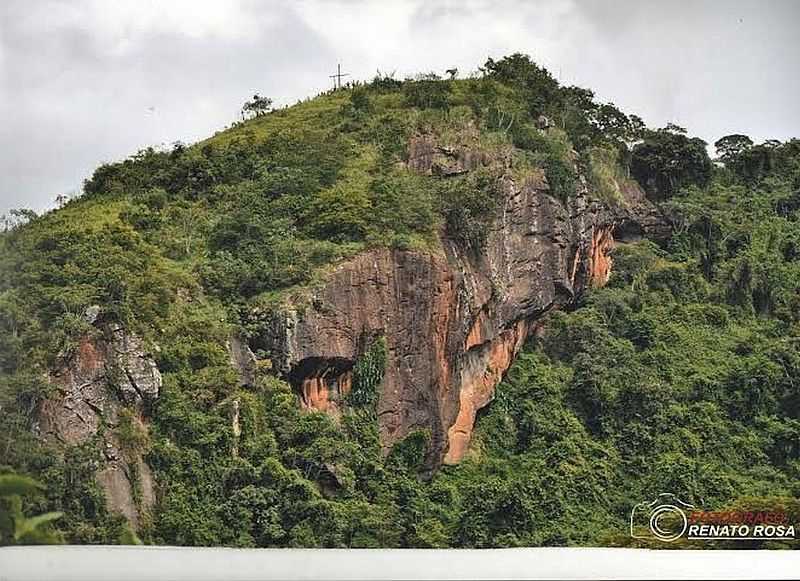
[408, 298]
[109, 372]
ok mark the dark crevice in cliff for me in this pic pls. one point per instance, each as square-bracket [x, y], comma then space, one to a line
[319, 367]
[627, 231]
[322, 382]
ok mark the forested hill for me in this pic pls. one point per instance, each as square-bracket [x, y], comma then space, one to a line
[459, 312]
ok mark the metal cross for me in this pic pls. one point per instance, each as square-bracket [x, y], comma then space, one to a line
[337, 78]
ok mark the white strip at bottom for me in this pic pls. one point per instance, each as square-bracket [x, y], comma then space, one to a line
[87, 563]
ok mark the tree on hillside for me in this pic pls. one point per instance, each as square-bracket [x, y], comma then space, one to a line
[731, 146]
[427, 91]
[746, 160]
[573, 117]
[15, 218]
[256, 107]
[667, 160]
[537, 86]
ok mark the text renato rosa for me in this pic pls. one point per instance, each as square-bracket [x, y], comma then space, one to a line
[738, 524]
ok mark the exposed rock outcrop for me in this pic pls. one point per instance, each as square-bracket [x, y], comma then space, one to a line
[428, 157]
[108, 375]
[243, 360]
[453, 321]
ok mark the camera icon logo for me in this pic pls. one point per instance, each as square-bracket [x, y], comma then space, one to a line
[664, 518]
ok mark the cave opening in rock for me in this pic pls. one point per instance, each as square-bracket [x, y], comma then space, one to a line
[322, 383]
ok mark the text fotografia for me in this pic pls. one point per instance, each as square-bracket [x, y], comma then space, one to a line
[739, 525]
[667, 519]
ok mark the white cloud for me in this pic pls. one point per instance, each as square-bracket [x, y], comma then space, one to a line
[124, 20]
[78, 78]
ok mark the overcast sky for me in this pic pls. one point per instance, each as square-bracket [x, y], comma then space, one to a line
[88, 81]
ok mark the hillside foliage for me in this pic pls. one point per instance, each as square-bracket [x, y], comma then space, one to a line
[683, 374]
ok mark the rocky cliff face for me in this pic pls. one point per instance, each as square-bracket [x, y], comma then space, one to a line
[108, 376]
[453, 321]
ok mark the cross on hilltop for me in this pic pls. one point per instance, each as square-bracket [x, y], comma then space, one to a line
[337, 78]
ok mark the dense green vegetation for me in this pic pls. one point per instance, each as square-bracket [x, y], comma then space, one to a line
[681, 375]
[15, 527]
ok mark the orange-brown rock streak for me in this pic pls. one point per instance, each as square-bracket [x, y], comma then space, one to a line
[476, 334]
[600, 259]
[315, 394]
[325, 392]
[479, 380]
